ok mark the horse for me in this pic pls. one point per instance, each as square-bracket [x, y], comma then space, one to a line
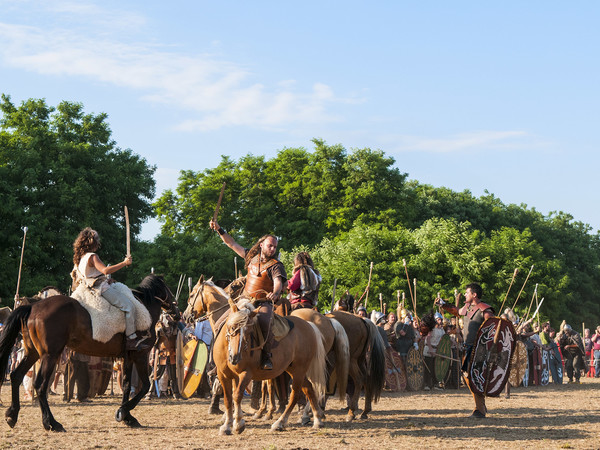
[367, 361]
[300, 353]
[58, 321]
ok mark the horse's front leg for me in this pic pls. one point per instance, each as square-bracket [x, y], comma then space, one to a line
[123, 411]
[140, 360]
[318, 414]
[239, 424]
[297, 380]
[226, 383]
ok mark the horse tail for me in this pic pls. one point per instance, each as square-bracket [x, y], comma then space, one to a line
[10, 332]
[376, 368]
[341, 349]
[317, 370]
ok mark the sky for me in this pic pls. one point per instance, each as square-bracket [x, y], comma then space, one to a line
[502, 97]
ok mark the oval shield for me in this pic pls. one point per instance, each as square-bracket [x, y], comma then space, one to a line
[518, 364]
[443, 358]
[415, 376]
[490, 359]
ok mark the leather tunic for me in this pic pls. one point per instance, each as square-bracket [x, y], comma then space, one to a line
[258, 281]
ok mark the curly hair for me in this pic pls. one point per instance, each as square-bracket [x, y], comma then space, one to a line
[302, 262]
[87, 241]
[255, 249]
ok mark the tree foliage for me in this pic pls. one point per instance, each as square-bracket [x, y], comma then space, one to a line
[60, 171]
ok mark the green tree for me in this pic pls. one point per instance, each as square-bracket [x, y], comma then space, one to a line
[59, 172]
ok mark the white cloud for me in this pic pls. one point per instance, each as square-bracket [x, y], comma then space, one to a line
[89, 42]
[473, 141]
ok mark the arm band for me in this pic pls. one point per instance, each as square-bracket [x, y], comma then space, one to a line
[221, 231]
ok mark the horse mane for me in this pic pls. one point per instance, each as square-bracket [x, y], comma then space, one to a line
[219, 289]
[239, 319]
[148, 288]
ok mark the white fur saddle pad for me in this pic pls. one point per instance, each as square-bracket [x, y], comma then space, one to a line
[108, 320]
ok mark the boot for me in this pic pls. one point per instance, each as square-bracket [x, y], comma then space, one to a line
[213, 408]
[265, 360]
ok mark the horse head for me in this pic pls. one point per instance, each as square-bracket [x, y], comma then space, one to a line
[203, 298]
[154, 291]
[237, 332]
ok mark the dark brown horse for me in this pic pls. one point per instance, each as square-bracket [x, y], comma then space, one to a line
[58, 321]
[367, 361]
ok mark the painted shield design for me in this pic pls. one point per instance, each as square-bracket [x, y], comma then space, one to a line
[518, 364]
[414, 370]
[490, 360]
[443, 358]
[545, 376]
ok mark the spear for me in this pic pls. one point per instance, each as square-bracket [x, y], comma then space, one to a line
[368, 285]
[398, 304]
[333, 294]
[511, 283]
[515, 304]
[235, 275]
[531, 303]
[415, 298]
[380, 302]
[20, 266]
[408, 280]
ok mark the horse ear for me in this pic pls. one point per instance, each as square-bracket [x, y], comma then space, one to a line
[201, 279]
[253, 313]
[233, 306]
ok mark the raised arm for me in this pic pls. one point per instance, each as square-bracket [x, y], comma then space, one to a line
[227, 239]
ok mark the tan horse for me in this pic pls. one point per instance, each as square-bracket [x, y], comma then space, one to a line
[300, 353]
[367, 361]
[336, 343]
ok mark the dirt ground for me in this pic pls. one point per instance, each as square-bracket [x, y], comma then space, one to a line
[566, 416]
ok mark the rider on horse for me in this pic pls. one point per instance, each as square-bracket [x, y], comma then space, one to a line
[90, 271]
[264, 282]
[305, 282]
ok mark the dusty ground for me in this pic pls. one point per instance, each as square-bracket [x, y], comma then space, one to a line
[566, 416]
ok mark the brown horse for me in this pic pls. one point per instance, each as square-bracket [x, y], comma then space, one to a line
[367, 361]
[300, 353]
[58, 321]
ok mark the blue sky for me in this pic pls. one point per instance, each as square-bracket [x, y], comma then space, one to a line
[497, 96]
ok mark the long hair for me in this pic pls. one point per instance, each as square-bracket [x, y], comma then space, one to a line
[255, 249]
[87, 241]
[308, 274]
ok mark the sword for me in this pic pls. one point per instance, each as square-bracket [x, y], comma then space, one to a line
[127, 230]
[20, 268]
[216, 214]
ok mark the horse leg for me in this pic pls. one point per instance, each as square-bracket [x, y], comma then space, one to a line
[226, 383]
[126, 370]
[272, 404]
[355, 374]
[16, 378]
[260, 412]
[318, 414]
[141, 365]
[239, 424]
[42, 382]
[280, 423]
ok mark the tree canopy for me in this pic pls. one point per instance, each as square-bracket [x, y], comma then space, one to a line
[60, 171]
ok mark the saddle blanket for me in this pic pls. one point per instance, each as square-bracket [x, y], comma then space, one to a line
[108, 320]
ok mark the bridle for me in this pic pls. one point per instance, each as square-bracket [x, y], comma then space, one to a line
[200, 296]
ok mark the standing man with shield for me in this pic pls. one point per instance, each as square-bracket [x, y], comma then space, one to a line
[475, 312]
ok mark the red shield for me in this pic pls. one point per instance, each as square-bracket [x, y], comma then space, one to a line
[490, 358]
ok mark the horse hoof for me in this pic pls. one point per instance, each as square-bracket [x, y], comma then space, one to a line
[305, 421]
[240, 427]
[58, 428]
[119, 415]
[224, 431]
[277, 427]
[364, 416]
[11, 422]
[350, 418]
[256, 416]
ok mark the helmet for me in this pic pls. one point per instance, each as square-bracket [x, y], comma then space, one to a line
[510, 314]
[568, 328]
[378, 317]
[361, 308]
[404, 312]
[437, 315]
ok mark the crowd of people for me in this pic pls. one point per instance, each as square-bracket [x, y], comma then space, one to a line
[266, 284]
